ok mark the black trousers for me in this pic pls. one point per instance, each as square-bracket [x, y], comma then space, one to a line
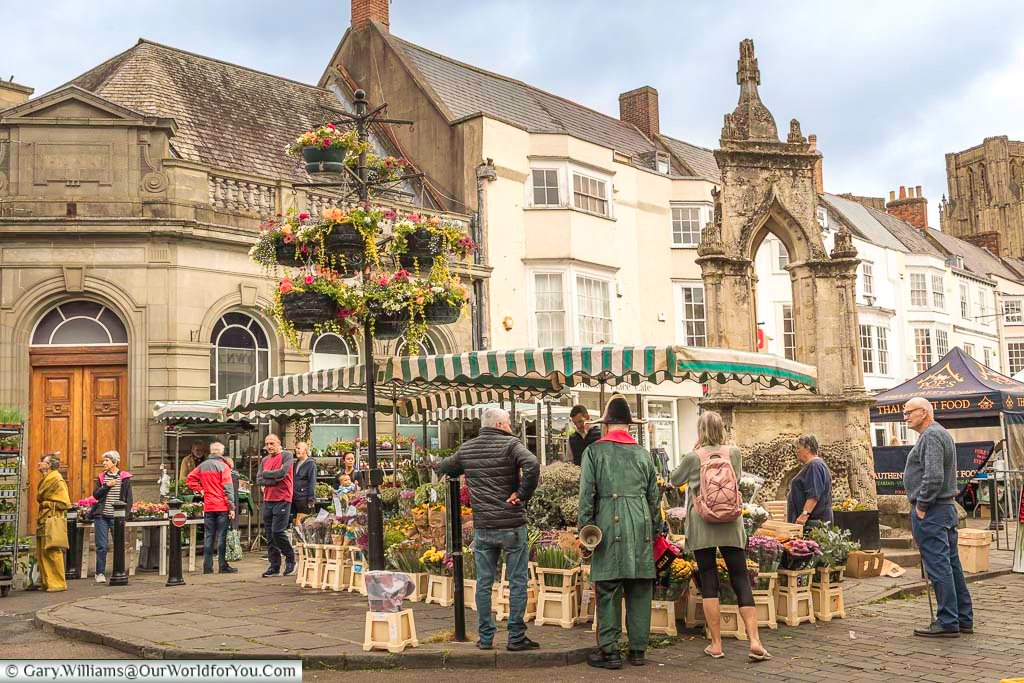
[275, 521]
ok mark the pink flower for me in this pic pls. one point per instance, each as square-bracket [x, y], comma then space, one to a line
[415, 217]
[327, 143]
[286, 286]
[402, 276]
[308, 279]
[304, 249]
[287, 239]
[331, 126]
[383, 282]
[344, 313]
[303, 216]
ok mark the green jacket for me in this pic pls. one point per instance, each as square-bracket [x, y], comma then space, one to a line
[619, 494]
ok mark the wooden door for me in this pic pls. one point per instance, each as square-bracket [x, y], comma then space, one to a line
[80, 412]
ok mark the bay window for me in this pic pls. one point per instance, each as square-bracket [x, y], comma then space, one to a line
[571, 307]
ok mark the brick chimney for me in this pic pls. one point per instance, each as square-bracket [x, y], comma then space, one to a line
[911, 206]
[640, 107]
[12, 94]
[365, 11]
[819, 181]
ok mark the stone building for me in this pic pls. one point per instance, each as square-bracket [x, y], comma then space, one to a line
[590, 222]
[986, 196]
[129, 199]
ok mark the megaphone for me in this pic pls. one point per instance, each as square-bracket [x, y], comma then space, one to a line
[590, 538]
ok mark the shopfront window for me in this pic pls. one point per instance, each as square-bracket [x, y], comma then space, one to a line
[661, 417]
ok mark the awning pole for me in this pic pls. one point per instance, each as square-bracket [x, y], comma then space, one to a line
[541, 434]
[601, 403]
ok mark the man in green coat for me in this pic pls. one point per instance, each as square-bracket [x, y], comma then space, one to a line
[619, 494]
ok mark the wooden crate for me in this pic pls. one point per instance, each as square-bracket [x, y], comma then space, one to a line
[861, 564]
[828, 603]
[440, 590]
[764, 600]
[469, 593]
[976, 535]
[973, 555]
[732, 625]
[391, 631]
[419, 581]
[828, 577]
[663, 617]
[793, 603]
[775, 528]
[776, 509]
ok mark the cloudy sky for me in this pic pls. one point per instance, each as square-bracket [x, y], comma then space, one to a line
[889, 88]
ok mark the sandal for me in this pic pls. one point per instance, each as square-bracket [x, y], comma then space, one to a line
[762, 657]
[711, 654]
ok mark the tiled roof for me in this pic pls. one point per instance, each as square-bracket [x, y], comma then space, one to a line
[863, 223]
[912, 238]
[466, 90]
[701, 161]
[978, 260]
[228, 116]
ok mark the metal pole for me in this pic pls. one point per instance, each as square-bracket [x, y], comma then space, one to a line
[455, 527]
[73, 557]
[120, 576]
[174, 577]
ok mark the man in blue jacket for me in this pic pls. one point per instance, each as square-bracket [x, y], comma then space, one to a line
[930, 481]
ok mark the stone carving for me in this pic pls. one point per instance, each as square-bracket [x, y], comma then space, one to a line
[155, 181]
[843, 245]
[795, 136]
[751, 120]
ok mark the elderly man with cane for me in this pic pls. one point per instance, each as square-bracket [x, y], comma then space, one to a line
[930, 481]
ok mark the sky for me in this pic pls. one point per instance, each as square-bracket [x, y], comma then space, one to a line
[889, 88]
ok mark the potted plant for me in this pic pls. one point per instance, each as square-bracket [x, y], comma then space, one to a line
[193, 510]
[326, 148]
[390, 304]
[861, 520]
[439, 582]
[379, 170]
[11, 418]
[416, 241]
[836, 545]
[349, 239]
[549, 554]
[318, 301]
[444, 301]
[9, 444]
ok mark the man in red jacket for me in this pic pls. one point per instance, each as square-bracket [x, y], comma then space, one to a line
[212, 478]
[277, 479]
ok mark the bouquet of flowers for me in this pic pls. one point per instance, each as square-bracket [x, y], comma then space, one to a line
[750, 485]
[674, 579]
[800, 554]
[316, 531]
[192, 509]
[436, 562]
[852, 505]
[766, 552]
[405, 556]
[753, 517]
[835, 544]
[143, 510]
[84, 507]
[676, 518]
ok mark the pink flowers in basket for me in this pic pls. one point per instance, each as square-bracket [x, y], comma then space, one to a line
[800, 553]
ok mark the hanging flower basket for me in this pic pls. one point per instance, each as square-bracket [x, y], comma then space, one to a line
[324, 159]
[346, 243]
[422, 246]
[390, 325]
[306, 310]
[442, 313]
[290, 255]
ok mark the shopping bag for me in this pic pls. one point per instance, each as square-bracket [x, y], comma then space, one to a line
[56, 533]
[234, 546]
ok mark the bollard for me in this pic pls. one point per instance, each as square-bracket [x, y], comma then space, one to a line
[993, 504]
[120, 576]
[455, 549]
[174, 577]
[73, 556]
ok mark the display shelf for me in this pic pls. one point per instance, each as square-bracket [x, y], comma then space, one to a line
[11, 553]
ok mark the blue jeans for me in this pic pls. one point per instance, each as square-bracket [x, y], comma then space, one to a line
[486, 547]
[936, 535]
[215, 528]
[104, 527]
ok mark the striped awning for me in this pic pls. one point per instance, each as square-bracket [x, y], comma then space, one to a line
[171, 412]
[339, 389]
[594, 365]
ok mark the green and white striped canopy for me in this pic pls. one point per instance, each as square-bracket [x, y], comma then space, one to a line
[173, 412]
[431, 385]
[594, 365]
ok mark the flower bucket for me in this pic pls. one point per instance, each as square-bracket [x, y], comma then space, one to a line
[442, 313]
[286, 255]
[324, 160]
[419, 249]
[390, 325]
[305, 310]
[346, 242]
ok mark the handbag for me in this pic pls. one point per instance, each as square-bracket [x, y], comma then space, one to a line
[233, 553]
[55, 533]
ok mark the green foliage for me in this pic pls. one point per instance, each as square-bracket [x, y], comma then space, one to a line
[404, 556]
[558, 483]
[11, 416]
[324, 490]
[422, 496]
[389, 496]
[835, 544]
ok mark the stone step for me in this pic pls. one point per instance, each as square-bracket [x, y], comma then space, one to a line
[898, 543]
[904, 558]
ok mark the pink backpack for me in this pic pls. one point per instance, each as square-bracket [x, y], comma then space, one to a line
[719, 501]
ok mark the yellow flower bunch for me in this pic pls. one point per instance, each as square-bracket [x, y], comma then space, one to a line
[432, 556]
[681, 570]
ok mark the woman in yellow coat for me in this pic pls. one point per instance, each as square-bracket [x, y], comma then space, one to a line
[51, 536]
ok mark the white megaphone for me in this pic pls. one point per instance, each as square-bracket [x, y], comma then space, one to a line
[590, 538]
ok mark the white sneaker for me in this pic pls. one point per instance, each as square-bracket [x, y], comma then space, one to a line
[100, 578]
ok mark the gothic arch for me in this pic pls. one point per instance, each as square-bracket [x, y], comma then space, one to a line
[772, 216]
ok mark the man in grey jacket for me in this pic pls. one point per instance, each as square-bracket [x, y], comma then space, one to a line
[930, 481]
[492, 463]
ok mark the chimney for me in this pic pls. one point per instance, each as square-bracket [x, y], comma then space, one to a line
[640, 107]
[12, 94]
[819, 181]
[911, 207]
[365, 11]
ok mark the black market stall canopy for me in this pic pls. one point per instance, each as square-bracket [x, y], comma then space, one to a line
[964, 393]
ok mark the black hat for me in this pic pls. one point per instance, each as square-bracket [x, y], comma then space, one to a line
[617, 412]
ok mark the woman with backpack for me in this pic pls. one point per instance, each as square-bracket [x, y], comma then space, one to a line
[714, 521]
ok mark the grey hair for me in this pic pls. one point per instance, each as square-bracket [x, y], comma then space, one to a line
[492, 417]
[808, 441]
[217, 443]
[113, 456]
[54, 459]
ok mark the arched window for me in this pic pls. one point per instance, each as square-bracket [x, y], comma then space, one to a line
[80, 323]
[330, 350]
[240, 356]
[426, 347]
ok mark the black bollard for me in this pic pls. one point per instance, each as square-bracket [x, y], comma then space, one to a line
[174, 577]
[73, 555]
[455, 549]
[120, 576]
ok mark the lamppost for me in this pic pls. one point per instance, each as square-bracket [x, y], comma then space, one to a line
[362, 118]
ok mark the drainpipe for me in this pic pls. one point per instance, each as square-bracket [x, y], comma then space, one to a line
[484, 171]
